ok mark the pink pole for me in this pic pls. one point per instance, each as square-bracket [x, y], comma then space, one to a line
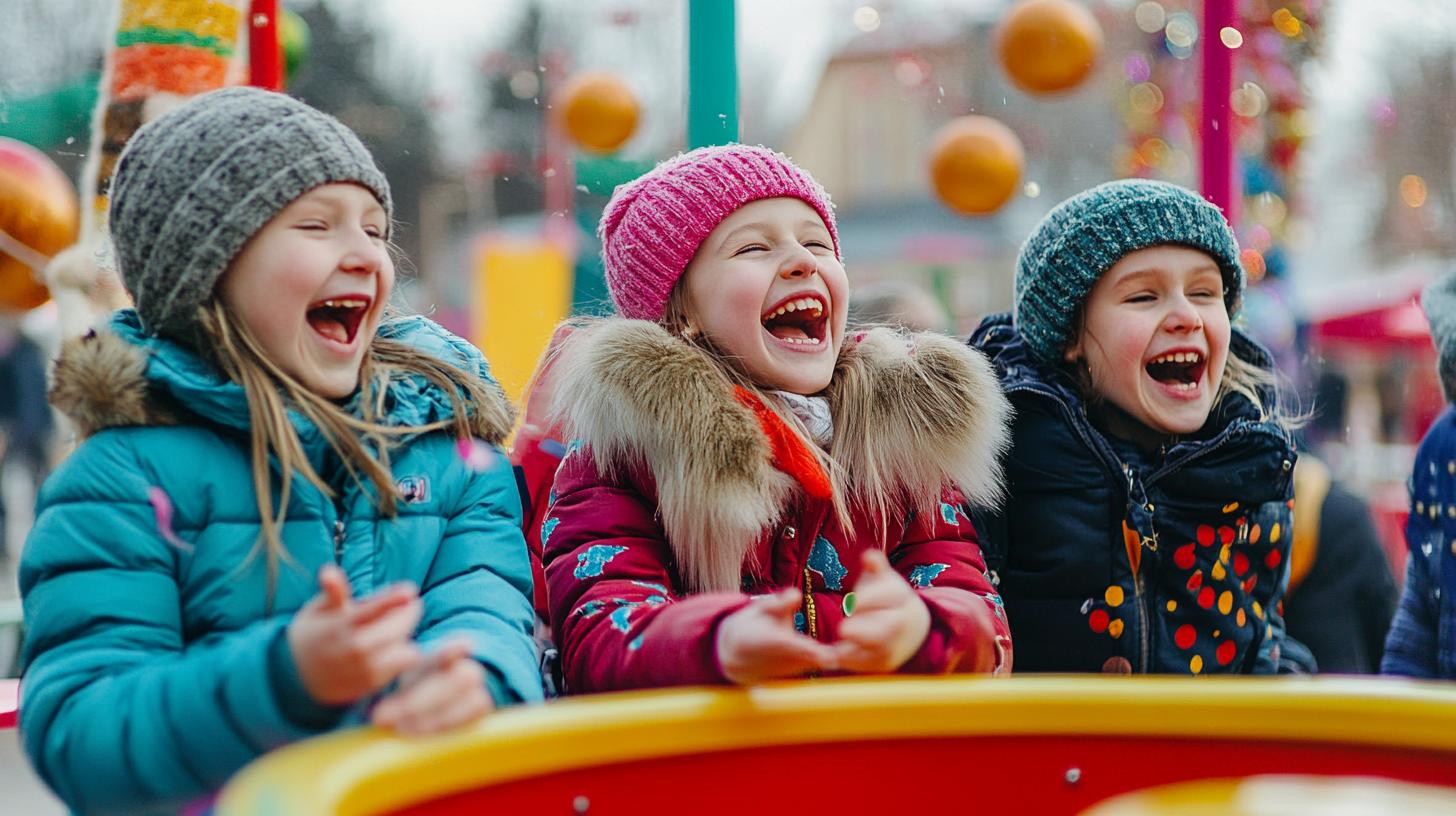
[1216, 131]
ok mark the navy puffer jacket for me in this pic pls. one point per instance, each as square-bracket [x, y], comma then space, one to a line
[1111, 560]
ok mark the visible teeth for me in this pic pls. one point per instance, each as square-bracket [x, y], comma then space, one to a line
[345, 303]
[1179, 357]
[802, 341]
[796, 305]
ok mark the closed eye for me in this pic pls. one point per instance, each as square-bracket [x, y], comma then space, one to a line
[751, 248]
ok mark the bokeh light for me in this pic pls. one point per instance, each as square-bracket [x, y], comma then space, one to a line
[1152, 152]
[525, 84]
[1182, 30]
[1146, 98]
[1269, 210]
[1136, 68]
[911, 71]
[1413, 191]
[1254, 265]
[1231, 37]
[1286, 23]
[1150, 17]
[866, 18]
[1249, 100]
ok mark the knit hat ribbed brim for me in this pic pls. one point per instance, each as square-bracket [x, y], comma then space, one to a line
[654, 225]
[1081, 238]
[195, 184]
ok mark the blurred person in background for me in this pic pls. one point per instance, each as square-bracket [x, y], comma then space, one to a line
[1341, 593]
[897, 303]
[25, 426]
[1422, 639]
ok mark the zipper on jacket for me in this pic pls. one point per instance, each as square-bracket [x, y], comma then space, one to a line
[1143, 624]
[338, 540]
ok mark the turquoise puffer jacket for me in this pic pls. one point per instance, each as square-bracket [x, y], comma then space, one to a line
[154, 667]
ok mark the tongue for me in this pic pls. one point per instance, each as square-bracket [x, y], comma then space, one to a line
[330, 328]
[785, 332]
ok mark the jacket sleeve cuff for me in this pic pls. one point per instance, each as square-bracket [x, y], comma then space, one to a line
[294, 702]
[962, 636]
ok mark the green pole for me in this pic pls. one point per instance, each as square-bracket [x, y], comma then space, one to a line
[712, 73]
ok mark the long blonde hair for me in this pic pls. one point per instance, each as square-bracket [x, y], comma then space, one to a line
[362, 442]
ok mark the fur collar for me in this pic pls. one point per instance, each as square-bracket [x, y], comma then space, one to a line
[913, 414]
[105, 380]
[100, 382]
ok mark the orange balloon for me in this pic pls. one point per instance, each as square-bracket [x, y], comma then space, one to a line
[1048, 45]
[598, 111]
[38, 211]
[975, 164]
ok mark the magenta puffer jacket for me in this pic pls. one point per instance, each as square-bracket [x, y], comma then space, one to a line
[677, 504]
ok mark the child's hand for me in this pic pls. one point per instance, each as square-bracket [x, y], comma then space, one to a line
[759, 642]
[346, 649]
[446, 690]
[889, 623]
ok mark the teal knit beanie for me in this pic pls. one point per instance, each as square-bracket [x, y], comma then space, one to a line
[1081, 238]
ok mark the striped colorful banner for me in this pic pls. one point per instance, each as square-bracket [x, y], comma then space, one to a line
[162, 48]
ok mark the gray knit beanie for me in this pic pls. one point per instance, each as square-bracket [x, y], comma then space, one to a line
[195, 184]
[1439, 303]
[1081, 238]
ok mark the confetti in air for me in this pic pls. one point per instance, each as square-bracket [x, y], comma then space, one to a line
[477, 455]
[162, 508]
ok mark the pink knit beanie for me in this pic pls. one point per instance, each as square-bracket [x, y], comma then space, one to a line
[654, 224]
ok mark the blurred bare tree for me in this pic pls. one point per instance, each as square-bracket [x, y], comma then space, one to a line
[1416, 150]
[340, 75]
[44, 43]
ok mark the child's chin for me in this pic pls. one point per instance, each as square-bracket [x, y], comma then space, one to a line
[1186, 422]
[805, 383]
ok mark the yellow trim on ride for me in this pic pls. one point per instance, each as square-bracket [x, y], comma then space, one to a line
[362, 772]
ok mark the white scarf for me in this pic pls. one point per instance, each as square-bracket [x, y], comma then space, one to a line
[814, 413]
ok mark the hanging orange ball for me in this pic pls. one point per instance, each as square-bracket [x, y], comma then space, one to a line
[39, 216]
[598, 111]
[1048, 46]
[975, 164]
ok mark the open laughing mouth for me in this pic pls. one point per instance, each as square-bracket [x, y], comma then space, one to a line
[1179, 371]
[338, 319]
[800, 320]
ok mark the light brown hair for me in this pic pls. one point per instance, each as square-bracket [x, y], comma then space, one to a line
[362, 442]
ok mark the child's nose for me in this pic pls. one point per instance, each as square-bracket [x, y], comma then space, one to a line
[800, 263]
[1183, 317]
[363, 257]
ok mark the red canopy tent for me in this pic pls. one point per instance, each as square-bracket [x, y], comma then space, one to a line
[1380, 322]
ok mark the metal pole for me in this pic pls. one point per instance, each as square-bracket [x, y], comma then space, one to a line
[1217, 142]
[712, 73]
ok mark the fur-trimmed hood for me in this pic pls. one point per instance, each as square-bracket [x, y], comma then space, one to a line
[119, 376]
[914, 415]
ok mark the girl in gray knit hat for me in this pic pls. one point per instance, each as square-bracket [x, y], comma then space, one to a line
[1150, 475]
[288, 505]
